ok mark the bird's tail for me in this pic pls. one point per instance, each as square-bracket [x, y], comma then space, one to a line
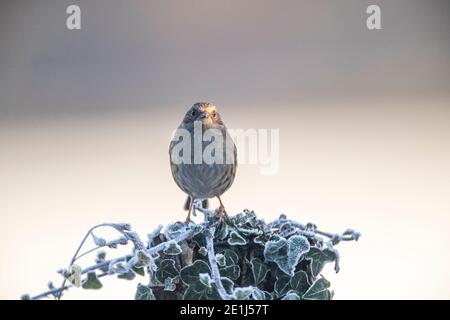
[187, 204]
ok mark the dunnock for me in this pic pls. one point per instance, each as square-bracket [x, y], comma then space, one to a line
[204, 172]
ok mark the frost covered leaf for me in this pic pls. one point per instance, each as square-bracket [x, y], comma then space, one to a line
[139, 271]
[319, 258]
[286, 253]
[299, 282]
[259, 294]
[259, 270]
[203, 251]
[221, 261]
[291, 295]
[236, 239]
[144, 293]
[127, 276]
[231, 257]
[318, 290]
[169, 285]
[189, 274]
[166, 269]
[205, 279]
[98, 241]
[231, 272]
[222, 231]
[92, 281]
[74, 275]
[199, 291]
[243, 293]
[282, 284]
[172, 249]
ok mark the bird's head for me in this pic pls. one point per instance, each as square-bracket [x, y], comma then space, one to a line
[206, 113]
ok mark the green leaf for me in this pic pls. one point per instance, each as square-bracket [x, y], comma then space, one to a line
[221, 261]
[231, 257]
[92, 281]
[282, 284]
[205, 279]
[189, 274]
[166, 269]
[173, 249]
[319, 258]
[227, 284]
[222, 231]
[144, 293]
[291, 295]
[318, 290]
[259, 270]
[198, 291]
[259, 294]
[139, 271]
[236, 239]
[299, 282]
[286, 253]
[203, 251]
[243, 293]
[194, 293]
[127, 276]
[169, 285]
[231, 272]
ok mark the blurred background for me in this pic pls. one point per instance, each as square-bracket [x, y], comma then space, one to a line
[364, 118]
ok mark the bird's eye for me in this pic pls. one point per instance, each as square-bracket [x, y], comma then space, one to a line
[214, 114]
[194, 112]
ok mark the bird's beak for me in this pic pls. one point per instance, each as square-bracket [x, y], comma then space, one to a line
[204, 115]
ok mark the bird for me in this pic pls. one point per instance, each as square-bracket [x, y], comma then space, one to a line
[203, 179]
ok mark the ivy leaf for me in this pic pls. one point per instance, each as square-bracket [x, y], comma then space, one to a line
[222, 231]
[193, 293]
[189, 274]
[203, 251]
[169, 285]
[299, 282]
[92, 281]
[172, 249]
[127, 276]
[74, 275]
[259, 270]
[100, 242]
[205, 279]
[286, 253]
[243, 293]
[319, 258]
[231, 257]
[166, 269]
[144, 293]
[231, 272]
[139, 271]
[291, 295]
[259, 294]
[227, 284]
[318, 290]
[281, 286]
[236, 239]
[101, 257]
[221, 261]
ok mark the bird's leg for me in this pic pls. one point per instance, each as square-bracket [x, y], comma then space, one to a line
[221, 210]
[188, 218]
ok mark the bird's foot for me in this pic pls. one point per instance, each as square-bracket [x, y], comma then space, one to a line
[220, 212]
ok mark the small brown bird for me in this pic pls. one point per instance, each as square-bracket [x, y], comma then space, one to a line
[197, 175]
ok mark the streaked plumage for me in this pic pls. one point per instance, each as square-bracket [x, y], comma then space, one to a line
[202, 181]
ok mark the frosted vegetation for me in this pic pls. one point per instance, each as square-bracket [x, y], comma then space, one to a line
[235, 258]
